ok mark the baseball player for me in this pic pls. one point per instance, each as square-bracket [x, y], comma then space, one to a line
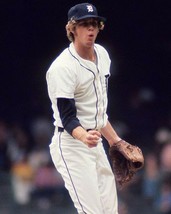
[77, 86]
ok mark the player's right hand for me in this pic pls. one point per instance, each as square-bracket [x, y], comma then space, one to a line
[92, 138]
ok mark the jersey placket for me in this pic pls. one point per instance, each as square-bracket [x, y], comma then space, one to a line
[100, 99]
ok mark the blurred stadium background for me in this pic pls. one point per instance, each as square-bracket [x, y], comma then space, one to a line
[138, 38]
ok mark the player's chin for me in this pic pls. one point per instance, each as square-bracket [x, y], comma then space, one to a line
[90, 42]
[89, 45]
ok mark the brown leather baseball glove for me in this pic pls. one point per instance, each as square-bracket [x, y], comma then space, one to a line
[126, 160]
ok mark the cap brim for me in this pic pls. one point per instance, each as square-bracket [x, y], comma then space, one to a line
[91, 16]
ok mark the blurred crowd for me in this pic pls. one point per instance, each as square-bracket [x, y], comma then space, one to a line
[24, 155]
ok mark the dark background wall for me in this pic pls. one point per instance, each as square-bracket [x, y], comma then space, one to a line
[137, 36]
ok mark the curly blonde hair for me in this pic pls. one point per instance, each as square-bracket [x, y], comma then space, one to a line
[70, 28]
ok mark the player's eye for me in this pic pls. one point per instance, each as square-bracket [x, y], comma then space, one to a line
[93, 23]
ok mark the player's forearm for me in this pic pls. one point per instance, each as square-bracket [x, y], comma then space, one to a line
[79, 133]
[110, 134]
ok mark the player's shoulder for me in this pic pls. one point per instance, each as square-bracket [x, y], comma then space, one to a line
[101, 48]
[102, 53]
[62, 65]
[62, 60]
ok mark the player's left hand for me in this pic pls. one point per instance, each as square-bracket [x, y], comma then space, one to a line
[126, 160]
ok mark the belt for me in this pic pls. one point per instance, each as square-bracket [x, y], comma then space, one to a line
[60, 129]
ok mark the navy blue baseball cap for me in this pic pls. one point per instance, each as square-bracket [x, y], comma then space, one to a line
[83, 11]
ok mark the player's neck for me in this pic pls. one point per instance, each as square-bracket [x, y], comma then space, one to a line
[87, 53]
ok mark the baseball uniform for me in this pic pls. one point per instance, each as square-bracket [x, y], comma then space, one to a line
[86, 171]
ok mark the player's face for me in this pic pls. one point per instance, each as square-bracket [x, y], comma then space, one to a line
[86, 32]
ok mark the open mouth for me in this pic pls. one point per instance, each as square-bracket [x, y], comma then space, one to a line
[90, 36]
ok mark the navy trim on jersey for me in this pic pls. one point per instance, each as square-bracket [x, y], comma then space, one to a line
[69, 174]
[106, 83]
[93, 85]
[67, 112]
[106, 92]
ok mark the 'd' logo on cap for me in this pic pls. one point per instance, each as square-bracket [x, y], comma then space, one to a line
[89, 8]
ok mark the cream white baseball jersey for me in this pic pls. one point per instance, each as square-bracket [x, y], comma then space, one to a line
[70, 76]
[86, 171]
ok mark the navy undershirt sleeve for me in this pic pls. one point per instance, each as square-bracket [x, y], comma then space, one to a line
[67, 112]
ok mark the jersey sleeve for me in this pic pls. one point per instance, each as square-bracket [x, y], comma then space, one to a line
[67, 112]
[61, 81]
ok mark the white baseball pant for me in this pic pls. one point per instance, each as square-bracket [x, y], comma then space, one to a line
[87, 174]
